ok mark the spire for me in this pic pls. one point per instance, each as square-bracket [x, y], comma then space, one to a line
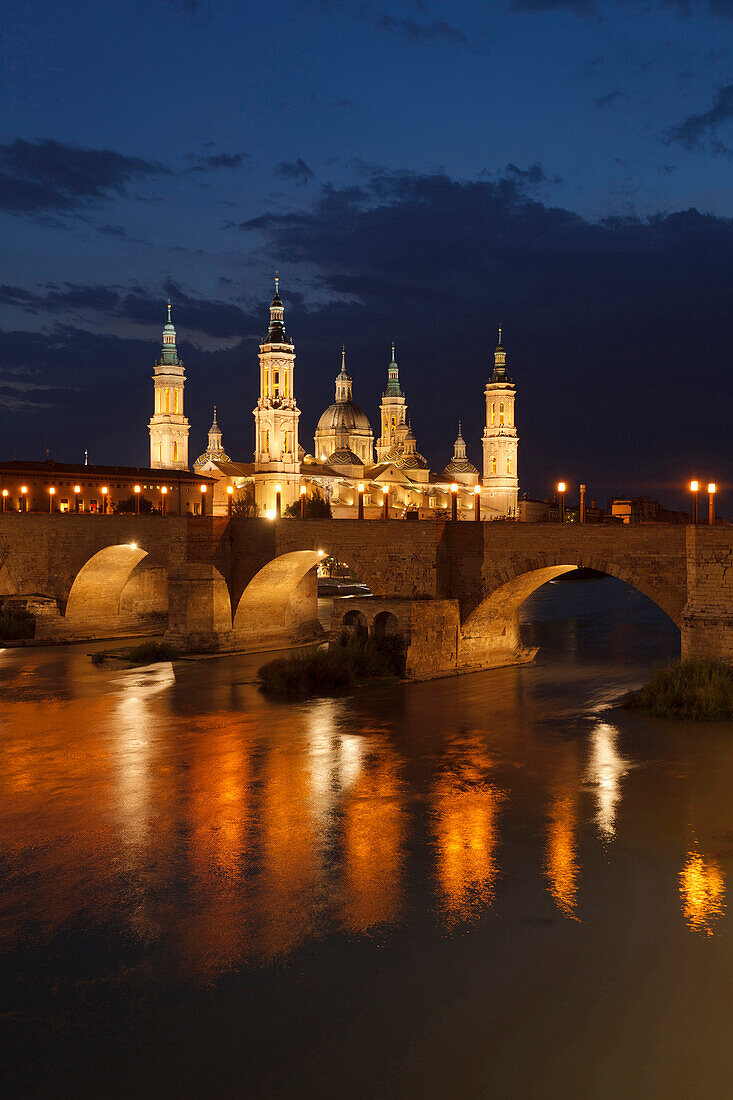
[500, 374]
[169, 352]
[393, 378]
[459, 447]
[343, 382]
[276, 333]
[214, 435]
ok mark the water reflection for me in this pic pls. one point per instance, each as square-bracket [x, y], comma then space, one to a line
[702, 889]
[606, 768]
[562, 866]
[466, 809]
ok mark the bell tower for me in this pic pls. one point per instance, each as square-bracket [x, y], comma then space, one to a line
[168, 426]
[500, 439]
[392, 414]
[276, 415]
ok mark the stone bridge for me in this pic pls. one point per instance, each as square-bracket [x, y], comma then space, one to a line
[454, 588]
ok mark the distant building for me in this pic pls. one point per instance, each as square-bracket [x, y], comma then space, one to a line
[168, 426]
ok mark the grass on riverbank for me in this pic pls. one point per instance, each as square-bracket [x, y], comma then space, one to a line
[147, 653]
[694, 690]
[14, 627]
[338, 667]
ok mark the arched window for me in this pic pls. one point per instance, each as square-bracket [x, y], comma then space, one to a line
[266, 387]
[493, 464]
[493, 414]
[501, 413]
[276, 383]
[167, 399]
[160, 452]
[266, 441]
[175, 449]
[175, 400]
[508, 464]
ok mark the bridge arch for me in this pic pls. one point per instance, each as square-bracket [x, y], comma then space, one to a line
[494, 622]
[279, 606]
[98, 586]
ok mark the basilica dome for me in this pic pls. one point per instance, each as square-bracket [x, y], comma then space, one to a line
[344, 457]
[343, 416]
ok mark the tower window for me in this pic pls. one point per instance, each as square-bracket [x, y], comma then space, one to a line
[175, 400]
[167, 400]
[276, 383]
[493, 464]
[160, 452]
[175, 449]
[266, 441]
[493, 414]
[508, 465]
[267, 384]
[501, 413]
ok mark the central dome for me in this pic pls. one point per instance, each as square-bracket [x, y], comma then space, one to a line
[343, 416]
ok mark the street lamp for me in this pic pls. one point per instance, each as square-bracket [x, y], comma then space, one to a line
[24, 498]
[561, 487]
[203, 499]
[582, 503]
[694, 486]
[385, 502]
[477, 503]
[137, 500]
[104, 499]
[51, 495]
[360, 490]
[302, 502]
[230, 497]
[711, 503]
[278, 500]
[5, 499]
[164, 499]
[77, 490]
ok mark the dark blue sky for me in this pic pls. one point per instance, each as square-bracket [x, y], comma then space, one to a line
[418, 173]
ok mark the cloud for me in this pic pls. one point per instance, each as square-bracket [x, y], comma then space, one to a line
[692, 132]
[437, 31]
[295, 170]
[37, 177]
[220, 160]
[607, 99]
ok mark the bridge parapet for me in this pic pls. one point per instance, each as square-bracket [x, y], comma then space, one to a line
[707, 620]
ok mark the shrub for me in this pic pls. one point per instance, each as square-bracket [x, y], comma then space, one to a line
[696, 690]
[316, 507]
[243, 505]
[324, 671]
[147, 653]
[129, 505]
[16, 625]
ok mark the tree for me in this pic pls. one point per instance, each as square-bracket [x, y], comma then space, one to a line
[315, 507]
[130, 505]
[243, 504]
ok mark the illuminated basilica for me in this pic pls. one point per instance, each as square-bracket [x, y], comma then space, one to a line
[345, 456]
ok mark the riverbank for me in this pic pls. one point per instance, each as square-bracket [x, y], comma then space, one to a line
[691, 690]
[335, 667]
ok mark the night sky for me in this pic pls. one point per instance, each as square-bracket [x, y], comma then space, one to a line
[419, 172]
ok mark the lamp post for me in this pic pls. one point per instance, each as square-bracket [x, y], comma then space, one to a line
[24, 498]
[77, 490]
[51, 495]
[694, 486]
[5, 499]
[230, 497]
[454, 502]
[582, 503]
[203, 499]
[561, 495]
[385, 502]
[278, 500]
[477, 503]
[137, 500]
[302, 502]
[360, 490]
[104, 500]
[711, 503]
[163, 499]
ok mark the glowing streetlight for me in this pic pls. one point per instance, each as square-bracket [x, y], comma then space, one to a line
[230, 498]
[104, 492]
[133, 546]
[385, 502]
[302, 502]
[454, 501]
[477, 503]
[360, 490]
[164, 499]
[278, 501]
[5, 499]
[561, 487]
[582, 503]
[77, 490]
[203, 499]
[137, 500]
[711, 503]
[51, 495]
[694, 486]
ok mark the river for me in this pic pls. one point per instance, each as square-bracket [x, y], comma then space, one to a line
[497, 884]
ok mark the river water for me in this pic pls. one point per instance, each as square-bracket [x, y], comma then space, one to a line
[491, 885]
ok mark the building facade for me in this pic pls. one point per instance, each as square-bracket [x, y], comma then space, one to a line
[168, 426]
